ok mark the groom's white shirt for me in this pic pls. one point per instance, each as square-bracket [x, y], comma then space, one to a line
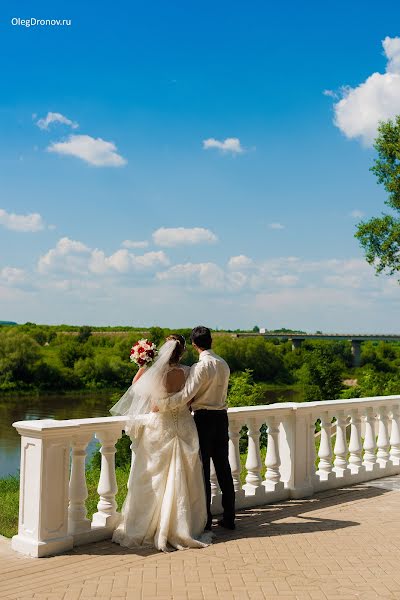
[206, 385]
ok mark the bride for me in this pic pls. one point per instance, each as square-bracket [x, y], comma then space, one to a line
[166, 502]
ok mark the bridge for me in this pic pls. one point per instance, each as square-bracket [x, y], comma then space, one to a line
[355, 339]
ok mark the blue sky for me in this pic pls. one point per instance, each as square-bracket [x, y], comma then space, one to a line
[232, 141]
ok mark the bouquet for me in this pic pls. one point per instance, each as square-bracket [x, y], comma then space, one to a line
[143, 352]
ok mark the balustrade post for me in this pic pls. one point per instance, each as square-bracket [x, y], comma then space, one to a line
[383, 438]
[234, 456]
[78, 492]
[340, 463]
[107, 515]
[395, 437]
[355, 447]
[369, 462]
[272, 481]
[253, 485]
[325, 449]
[43, 502]
[298, 452]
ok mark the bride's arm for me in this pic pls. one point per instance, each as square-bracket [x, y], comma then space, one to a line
[197, 377]
[138, 374]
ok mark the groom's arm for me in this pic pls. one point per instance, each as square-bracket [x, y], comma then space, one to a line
[197, 377]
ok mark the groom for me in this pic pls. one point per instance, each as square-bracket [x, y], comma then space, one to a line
[206, 390]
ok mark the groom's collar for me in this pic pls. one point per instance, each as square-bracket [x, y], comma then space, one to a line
[204, 353]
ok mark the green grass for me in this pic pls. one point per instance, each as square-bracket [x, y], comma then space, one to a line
[9, 495]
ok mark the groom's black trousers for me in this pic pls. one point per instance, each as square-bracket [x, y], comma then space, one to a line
[213, 429]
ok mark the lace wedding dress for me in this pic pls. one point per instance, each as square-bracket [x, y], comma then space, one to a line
[166, 503]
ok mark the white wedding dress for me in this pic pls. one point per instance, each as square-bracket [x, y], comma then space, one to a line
[166, 502]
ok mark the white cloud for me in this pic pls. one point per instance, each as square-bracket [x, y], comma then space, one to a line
[71, 256]
[287, 280]
[240, 262]
[208, 275]
[228, 145]
[360, 109]
[32, 222]
[276, 226]
[134, 244]
[95, 151]
[123, 261]
[67, 255]
[176, 236]
[330, 93]
[12, 276]
[54, 117]
[356, 214]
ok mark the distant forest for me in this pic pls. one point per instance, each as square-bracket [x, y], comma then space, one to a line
[45, 359]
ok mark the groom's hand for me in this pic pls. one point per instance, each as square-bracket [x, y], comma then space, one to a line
[155, 409]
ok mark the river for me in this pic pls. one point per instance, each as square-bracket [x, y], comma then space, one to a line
[65, 407]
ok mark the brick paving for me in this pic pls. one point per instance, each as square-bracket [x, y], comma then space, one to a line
[341, 544]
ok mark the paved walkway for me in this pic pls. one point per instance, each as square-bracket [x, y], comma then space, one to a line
[341, 544]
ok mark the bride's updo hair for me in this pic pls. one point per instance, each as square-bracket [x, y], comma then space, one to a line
[179, 348]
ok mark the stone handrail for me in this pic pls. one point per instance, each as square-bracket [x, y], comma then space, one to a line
[53, 490]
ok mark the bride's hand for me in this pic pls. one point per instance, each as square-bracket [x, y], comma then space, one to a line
[155, 409]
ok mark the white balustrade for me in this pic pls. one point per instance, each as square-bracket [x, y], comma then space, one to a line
[325, 449]
[52, 515]
[355, 445]
[107, 515]
[340, 449]
[383, 438]
[395, 437]
[272, 481]
[78, 492]
[369, 462]
[234, 455]
[253, 462]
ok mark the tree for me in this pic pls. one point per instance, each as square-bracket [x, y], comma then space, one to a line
[321, 375]
[84, 334]
[156, 335]
[256, 329]
[380, 236]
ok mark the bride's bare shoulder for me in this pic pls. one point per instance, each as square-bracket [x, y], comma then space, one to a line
[176, 378]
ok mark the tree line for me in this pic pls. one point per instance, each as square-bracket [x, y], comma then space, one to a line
[37, 358]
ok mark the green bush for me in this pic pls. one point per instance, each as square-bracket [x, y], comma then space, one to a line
[70, 352]
[19, 356]
[243, 391]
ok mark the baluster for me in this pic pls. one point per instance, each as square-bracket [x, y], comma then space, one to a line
[107, 515]
[340, 450]
[253, 462]
[395, 438]
[355, 447]
[77, 521]
[325, 449]
[312, 453]
[383, 438]
[272, 481]
[234, 453]
[215, 489]
[370, 441]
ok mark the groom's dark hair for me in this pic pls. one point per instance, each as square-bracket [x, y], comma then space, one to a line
[201, 336]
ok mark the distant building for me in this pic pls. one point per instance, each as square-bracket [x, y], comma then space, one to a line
[262, 330]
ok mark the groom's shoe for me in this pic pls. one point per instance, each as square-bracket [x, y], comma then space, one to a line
[227, 524]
